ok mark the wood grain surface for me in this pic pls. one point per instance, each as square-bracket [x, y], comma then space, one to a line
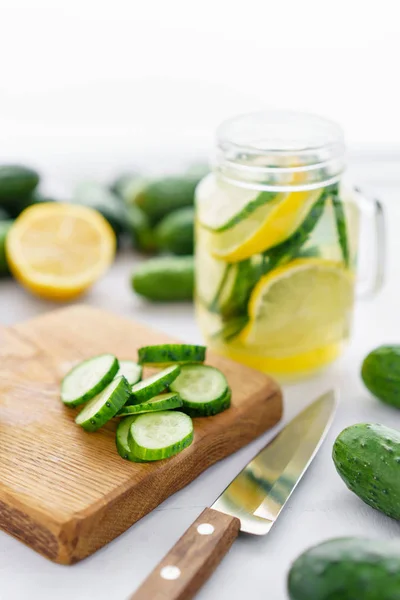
[65, 492]
[192, 560]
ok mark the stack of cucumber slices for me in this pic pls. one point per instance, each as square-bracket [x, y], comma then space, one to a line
[151, 427]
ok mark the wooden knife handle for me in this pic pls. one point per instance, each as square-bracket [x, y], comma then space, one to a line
[192, 560]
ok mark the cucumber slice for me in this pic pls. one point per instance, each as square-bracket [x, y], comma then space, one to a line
[121, 440]
[160, 402]
[105, 405]
[130, 370]
[150, 387]
[202, 388]
[212, 408]
[159, 435]
[165, 354]
[88, 379]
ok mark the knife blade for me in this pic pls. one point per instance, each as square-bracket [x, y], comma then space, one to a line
[251, 503]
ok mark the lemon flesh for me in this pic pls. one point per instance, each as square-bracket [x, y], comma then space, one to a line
[58, 250]
[299, 307]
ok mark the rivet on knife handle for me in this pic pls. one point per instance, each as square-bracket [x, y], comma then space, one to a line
[192, 560]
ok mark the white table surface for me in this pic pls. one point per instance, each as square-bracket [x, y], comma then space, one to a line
[320, 508]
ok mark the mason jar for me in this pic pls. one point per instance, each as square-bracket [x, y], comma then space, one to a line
[278, 243]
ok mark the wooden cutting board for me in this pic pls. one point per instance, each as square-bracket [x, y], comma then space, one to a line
[65, 492]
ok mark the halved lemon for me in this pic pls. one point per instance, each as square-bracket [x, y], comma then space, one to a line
[299, 307]
[58, 250]
[265, 227]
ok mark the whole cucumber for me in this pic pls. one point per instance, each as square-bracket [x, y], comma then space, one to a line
[367, 458]
[159, 197]
[175, 233]
[100, 198]
[143, 237]
[4, 229]
[381, 374]
[165, 279]
[347, 569]
[16, 183]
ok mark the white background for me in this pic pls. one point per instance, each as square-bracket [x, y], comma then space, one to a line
[130, 77]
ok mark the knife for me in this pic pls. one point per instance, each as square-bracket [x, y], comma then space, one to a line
[251, 503]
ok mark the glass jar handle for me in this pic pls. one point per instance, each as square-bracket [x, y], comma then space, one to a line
[372, 239]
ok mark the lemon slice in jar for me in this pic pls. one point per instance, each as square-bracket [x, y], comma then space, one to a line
[303, 305]
[266, 226]
[58, 250]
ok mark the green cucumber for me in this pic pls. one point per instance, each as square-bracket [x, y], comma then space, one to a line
[211, 408]
[236, 292]
[231, 329]
[341, 225]
[130, 370]
[139, 227]
[96, 196]
[381, 374]
[121, 440]
[162, 196]
[88, 379]
[150, 387]
[105, 405]
[159, 402]
[4, 215]
[16, 183]
[166, 354]
[367, 457]
[175, 233]
[202, 388]
[159, 435]
[260, 200]
[122, 182]
[288, 249]
[347, 569]
[4, 229]
[165, 279]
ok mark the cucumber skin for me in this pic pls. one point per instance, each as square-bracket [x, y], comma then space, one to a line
[261, 199]
[96, 389]
[141, 395]
[380, 373]
[165, 279]
[366, 456]
[4, 229]
[138, 224]
[204, 409]
[120, 396]
[125, 452]
[142, 408]
[208, 410]
[148, 455]
[347, 569]
[110, 206]
[162, 196]
[16, 183]
[165, 354]
[341, 225]
[175, 233]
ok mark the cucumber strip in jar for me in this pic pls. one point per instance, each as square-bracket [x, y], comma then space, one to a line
[159, 402]
[341, 226]
[159, 435]
[88, 379]
[163, 355]
[150, 387]
[202, 388]
[104, 406]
